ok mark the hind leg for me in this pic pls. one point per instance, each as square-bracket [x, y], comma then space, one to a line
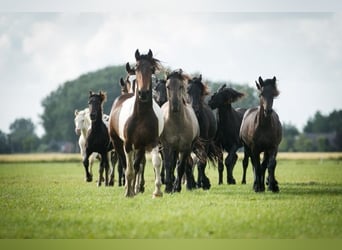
[244, 167]
[230, 163]
[272, 182]
[113, 159]
[220, 168]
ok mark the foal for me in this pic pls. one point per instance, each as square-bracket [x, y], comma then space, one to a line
[261, 131]
[97, 137]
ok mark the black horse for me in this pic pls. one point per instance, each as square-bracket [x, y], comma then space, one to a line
[97, 138]
[208, 126]
[228, 129]
[261, 131]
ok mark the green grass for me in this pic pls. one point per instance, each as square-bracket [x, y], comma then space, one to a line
[52, 200]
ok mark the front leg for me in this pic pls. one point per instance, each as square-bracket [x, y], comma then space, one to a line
[88, 177]
[272, 182]
[129, 174]
[156, 162]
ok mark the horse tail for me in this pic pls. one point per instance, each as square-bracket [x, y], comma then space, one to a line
[213, 152]
[198, 148]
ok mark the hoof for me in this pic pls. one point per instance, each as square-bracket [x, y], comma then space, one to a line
[89, 178]
[231, 181]
[274, 188]
[243, 182]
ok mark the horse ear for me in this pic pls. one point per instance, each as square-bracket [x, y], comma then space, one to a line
[200, 77]
[274, 79]
[122, 83]
[130, 70]
[221, 88]
[137, 55]
[90, 93]
[103, 96]
[150, 54]
[261, 82]
[258, 85]
[76, 112]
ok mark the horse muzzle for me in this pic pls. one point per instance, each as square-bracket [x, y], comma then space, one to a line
[78, 131]
[143, 95]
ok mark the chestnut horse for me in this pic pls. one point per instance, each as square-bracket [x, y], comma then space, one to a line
[136, 122]
[261, 131]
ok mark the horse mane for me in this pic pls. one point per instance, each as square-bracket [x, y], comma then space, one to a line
[233, 94]
[178, 73]
[204, 87]
[103, 95]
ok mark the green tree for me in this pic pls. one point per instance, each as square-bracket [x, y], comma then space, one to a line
[290, 133]
[4, 143]
[59, 105]
[22, 137]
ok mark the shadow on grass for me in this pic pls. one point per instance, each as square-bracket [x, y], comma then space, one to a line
[312, 188]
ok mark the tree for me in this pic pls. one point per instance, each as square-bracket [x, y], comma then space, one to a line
[4, 143]
[290, 134]
[22, 137]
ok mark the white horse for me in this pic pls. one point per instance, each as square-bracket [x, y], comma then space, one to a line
[82, 125]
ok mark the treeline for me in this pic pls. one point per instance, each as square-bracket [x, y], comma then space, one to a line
[321, 133]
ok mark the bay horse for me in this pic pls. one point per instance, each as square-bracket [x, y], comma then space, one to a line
[197, 91]
[261, 131]
[97, 137]
[181, 131]
[136, 122]
[228, 132]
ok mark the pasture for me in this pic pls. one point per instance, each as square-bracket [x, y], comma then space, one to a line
[50, 199]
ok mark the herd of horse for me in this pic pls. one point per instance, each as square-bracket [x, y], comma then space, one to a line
[171, 119]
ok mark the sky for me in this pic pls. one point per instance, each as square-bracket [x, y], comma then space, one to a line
[41, 49]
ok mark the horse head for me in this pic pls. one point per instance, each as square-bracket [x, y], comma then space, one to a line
[224, 96]
[176, 89]
[95, 104]
[81, 120]
[268, 91]
[197, 90]
[159, 92]
[146, 65]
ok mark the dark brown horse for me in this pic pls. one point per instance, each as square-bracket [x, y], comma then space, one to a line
[97, 138]
[197, 91]
[136, 123]
[261, 131]
[181, 131]
[228, 130]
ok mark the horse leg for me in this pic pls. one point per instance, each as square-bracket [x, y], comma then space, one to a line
[162, 172]
[129, 174]
[89, 177]
[230, 163]
[138, 169]
[156, 162]
[113, 159]
[190, 180]
[244, 167]
[168, 164]
[272, 182]
[258, 184]
[220, 168]
[177, 187]
[142, 173]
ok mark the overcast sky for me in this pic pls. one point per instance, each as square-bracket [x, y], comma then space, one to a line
[40, 51]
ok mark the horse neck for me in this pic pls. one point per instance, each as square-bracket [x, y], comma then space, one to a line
[139, 106]
[263, 120]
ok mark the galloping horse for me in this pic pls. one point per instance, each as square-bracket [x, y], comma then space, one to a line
[136, 123]
[208, 126]
[97, 137]
[261, 131]
[180, 132]
[159, 92]
[228, 131]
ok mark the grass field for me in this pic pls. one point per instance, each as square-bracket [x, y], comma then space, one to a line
[47, 199]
